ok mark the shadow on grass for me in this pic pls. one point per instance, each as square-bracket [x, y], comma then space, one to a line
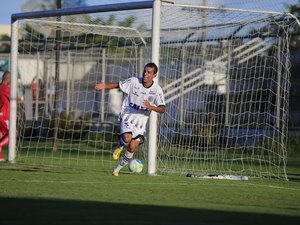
[16, 211]
[293, 177]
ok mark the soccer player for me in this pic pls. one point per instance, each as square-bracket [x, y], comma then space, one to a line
[142, 95]
[4, 111]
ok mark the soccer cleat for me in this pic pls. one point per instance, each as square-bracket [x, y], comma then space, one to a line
[117, 153]
[115, 173]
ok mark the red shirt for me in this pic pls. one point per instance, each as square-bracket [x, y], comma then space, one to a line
[4, 101]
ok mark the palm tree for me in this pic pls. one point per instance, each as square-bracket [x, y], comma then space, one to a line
[33, 5]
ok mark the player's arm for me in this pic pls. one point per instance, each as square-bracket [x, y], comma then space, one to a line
[101, 85]
[159, 109]
[20, 98]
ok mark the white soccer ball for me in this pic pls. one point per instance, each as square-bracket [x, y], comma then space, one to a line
[135, 166]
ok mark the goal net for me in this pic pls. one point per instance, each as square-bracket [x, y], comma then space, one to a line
[67, 122]
[225, 74]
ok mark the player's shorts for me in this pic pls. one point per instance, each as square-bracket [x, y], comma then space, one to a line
[133, 124]
[3, 126]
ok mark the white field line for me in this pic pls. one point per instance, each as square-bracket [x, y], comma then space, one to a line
[215, 183]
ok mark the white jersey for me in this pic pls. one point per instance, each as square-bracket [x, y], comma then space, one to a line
[133, 110]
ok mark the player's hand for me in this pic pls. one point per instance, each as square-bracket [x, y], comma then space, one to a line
[147, 104]
[99, 86]
[159, 109]
[21, 98]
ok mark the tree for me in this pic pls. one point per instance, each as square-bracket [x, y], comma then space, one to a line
[4, 44]
[293, 8]
[111, 20]
[33, 5]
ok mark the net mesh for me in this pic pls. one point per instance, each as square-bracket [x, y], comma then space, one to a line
[225, 74]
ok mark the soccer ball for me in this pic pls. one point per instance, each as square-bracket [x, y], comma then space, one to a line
[135, 166]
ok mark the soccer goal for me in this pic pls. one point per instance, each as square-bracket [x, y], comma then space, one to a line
[225, 74]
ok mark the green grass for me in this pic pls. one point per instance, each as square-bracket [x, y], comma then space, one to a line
[63, 195]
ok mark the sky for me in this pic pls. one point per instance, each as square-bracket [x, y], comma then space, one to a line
[14, 6]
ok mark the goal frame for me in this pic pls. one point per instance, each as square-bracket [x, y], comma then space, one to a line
[154, 5]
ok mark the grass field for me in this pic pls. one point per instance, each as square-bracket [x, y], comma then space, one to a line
[35, 194]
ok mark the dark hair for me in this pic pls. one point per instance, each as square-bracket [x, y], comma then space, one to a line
[5, 75]
[152, 65]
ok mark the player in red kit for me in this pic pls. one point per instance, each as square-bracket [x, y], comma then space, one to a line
[4, 111]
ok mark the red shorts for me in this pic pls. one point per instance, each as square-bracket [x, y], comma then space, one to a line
[3, 126]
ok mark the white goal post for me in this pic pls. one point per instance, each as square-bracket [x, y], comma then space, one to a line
[225, 74]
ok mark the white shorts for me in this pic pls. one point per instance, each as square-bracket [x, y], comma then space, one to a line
[135, 124]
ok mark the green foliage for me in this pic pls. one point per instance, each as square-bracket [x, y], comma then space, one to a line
[70, 127]
[80, 129]
[128, 21]
[36, 130]
[5, 47]
[105, 139]
[293, 145]
[33, 5]
[293, 8]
